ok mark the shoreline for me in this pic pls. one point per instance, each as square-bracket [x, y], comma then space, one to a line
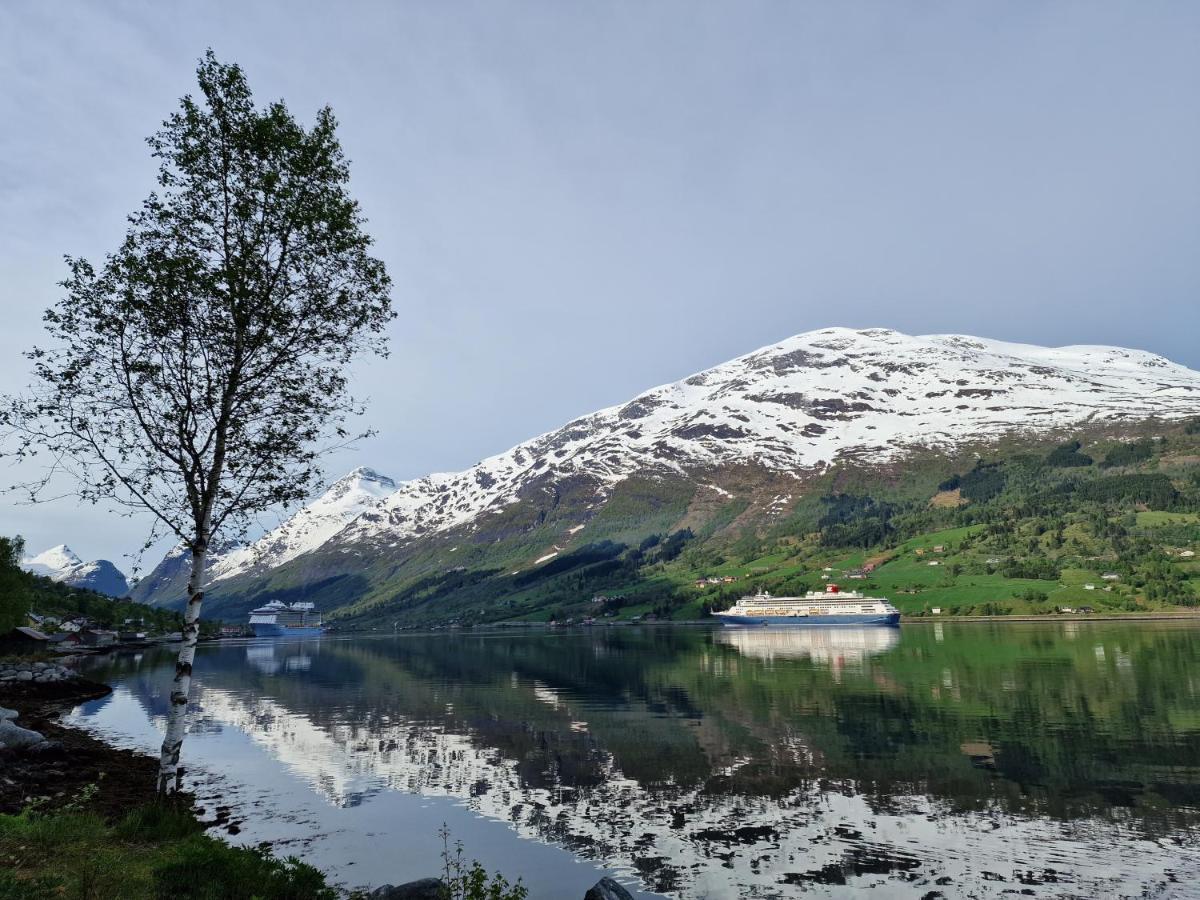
[520, 626]
[1159, 616]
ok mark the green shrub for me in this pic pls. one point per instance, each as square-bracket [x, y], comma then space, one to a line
[463, 882]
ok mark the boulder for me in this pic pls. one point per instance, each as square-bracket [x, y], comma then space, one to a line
[6, 714]
[24, 676]
[607, 889]
[14, 737]
[421, 889]
[46, 748]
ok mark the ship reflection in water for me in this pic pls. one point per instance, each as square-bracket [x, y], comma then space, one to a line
[837, 646]
[719, 764]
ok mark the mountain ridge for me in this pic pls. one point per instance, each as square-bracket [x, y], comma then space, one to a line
[781, 414]
[62, 564]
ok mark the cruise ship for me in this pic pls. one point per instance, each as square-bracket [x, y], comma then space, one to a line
[278, 619]
[831, 606]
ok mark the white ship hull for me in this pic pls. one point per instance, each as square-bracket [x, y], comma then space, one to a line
[841, 619]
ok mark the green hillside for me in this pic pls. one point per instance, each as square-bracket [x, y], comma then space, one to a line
[1025, 527]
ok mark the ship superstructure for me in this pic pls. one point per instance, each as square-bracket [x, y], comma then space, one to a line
[831, 606]
[278, 619]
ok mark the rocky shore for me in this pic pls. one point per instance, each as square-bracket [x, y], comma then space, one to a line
[51, 765]
[39, 672]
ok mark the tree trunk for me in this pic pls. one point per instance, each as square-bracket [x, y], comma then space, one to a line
[169, 773]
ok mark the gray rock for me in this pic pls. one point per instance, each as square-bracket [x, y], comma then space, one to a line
[6, 714]
[14, 737]
[422, 889]
[607, 889]
[24, 676]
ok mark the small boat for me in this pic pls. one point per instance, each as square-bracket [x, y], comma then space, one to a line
[278, 619]
[831, 606]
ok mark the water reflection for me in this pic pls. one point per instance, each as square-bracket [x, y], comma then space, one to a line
[836, 647]
[745, 762]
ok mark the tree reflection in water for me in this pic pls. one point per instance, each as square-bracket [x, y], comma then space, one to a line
[713, 761]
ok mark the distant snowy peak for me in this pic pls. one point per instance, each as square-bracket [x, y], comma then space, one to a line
[61, 564]
[311, 527]
[52, 562]
[804, 403]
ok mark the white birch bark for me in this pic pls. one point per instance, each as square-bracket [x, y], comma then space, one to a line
[170, 774]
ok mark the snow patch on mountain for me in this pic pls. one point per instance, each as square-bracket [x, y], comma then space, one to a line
[309, 528]
[63, 565]
[53, 562]
[805, 403]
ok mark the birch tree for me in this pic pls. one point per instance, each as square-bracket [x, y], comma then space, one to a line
[201, 371]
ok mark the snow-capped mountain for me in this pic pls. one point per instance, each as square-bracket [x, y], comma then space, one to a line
[62, 564]
[307, 530]
[53, 562]
[789, 411]
[805, 403]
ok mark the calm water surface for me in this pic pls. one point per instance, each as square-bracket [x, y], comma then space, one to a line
[1057, 760]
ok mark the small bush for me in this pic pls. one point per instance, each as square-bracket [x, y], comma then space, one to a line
[463, 882]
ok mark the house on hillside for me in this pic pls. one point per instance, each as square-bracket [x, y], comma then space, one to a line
[1111, 576]
[1187, 554]
[939, 548]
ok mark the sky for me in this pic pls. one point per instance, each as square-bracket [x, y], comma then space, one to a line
[578, 201]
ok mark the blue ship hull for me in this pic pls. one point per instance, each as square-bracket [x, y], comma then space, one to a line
[806, 621]
[261, 630]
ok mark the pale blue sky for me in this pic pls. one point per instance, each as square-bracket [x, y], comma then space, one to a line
[580, 200]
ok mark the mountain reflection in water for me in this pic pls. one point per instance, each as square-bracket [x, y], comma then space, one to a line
[724, 763]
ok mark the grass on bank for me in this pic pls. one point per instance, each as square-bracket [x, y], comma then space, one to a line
[155, 851]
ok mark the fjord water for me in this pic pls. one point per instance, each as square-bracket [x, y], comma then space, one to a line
[972, 759]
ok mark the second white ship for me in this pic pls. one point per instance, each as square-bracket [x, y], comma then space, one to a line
[831, 606]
